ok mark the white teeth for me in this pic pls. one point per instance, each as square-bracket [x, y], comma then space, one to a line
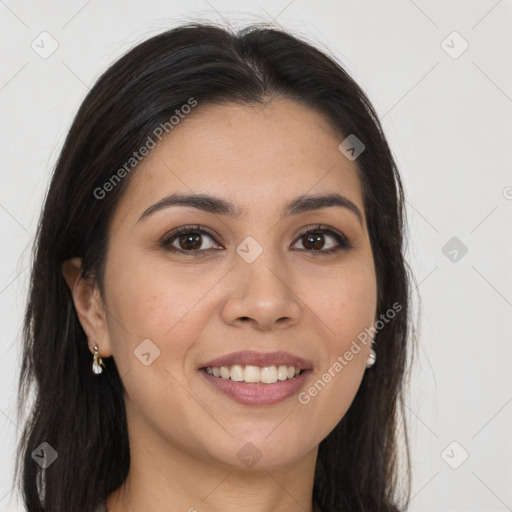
[250, 373]
[269, 374]
[237, 373]
[282, 372]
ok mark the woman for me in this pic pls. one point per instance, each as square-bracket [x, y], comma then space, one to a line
[218, 311]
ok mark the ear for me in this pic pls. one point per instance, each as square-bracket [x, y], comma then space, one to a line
[89, 306]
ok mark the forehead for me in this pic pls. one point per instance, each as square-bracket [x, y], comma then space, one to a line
[257, 156]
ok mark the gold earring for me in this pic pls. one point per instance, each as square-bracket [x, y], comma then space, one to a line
[97, 362]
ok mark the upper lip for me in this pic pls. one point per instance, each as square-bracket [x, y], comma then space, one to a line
[254, 358]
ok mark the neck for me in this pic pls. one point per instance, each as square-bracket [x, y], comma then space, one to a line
[262, 491]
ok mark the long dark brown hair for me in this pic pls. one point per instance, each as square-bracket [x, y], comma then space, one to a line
[82, 415]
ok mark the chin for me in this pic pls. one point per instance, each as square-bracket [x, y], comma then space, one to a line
[259, 451]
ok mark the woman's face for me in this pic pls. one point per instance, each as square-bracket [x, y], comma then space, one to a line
[243, 290]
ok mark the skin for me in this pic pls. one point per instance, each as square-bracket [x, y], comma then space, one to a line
[184, 434]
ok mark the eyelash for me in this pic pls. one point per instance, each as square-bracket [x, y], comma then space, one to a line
[341, 239]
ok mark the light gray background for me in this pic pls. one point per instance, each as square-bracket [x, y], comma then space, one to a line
[448, 122]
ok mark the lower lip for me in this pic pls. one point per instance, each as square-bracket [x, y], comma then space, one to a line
[257, 393]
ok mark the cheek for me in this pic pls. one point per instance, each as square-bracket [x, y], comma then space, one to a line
[151, 298]
[146, 301]
[346, 303]
[156, 317]
[346, 309]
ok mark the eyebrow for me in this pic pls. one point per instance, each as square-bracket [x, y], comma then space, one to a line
[216, 205]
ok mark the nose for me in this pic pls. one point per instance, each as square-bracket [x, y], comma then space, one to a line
[261, 294]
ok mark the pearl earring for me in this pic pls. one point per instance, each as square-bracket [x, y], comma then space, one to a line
[372, 356]
[97, 362]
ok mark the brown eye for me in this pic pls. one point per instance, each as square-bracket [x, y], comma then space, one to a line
[314, 240]
[189, 239]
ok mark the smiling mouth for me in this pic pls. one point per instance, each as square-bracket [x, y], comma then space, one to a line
[254, 374]
[257, 378]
